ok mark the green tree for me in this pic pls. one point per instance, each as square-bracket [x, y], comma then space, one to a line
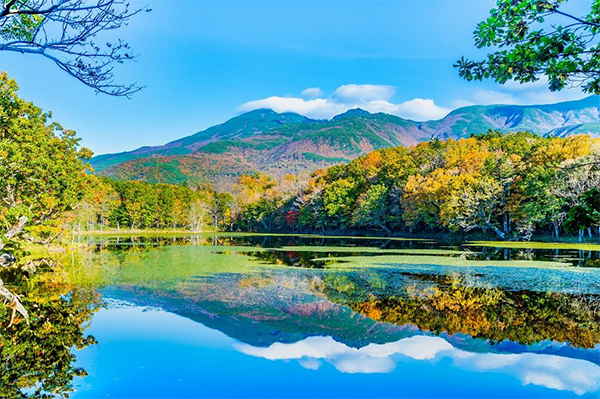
[371, 209]
[165, 205]
[42, 166]
[338, 199]
[586, 214]
[221, 210]
[532, 38]
[36, 357]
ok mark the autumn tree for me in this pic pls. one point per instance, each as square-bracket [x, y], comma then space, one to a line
[422, 198]
[513, 185]
[198, 213]
[472, 203]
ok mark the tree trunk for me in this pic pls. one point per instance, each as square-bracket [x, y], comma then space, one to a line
[16, 230]
[383, 226]
[556, 230]
[498, 232]
[580, 235]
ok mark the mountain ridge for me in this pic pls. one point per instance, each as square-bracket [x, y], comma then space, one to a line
[289, 143]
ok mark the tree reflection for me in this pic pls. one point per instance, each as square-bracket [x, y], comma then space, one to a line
[36, 358]
[452, 304]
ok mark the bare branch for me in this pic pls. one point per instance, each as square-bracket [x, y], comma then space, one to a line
[65, 32]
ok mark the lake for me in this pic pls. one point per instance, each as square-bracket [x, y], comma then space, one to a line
[241, 315]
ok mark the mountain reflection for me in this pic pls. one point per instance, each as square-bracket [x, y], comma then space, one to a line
[550, 371]
[457, 304]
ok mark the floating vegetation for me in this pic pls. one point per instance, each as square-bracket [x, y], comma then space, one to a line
[370, 250]
[397, 260]
[534, 245]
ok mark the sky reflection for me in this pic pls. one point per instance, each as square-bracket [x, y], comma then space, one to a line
[152, 353]
[550, 371]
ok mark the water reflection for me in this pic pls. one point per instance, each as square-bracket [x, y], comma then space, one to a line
[286, 247]
[555, 372]
[36, 357]
[456, 304]
[339, 309]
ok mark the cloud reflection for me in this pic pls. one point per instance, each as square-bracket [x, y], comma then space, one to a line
[550, 371]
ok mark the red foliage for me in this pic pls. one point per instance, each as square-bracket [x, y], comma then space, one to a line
[291, 218]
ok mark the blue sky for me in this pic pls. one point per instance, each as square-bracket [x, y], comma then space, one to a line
[203, 62]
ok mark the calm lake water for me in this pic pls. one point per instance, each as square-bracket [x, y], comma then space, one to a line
[306, 316]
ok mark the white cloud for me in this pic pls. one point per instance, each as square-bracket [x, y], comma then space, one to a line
[421, 109]
[315, 103]
[364, 93]
[523, 94]
[486, 97]
[550, 371]
[372, 98]
[318, 108]
[312, 92]
[462, 103]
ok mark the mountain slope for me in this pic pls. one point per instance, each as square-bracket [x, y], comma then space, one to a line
[576, 117]
[251, 123]
[262, 140]
[278, 144]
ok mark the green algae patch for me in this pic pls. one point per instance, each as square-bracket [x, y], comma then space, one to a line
[369, 250]
[535, 245]
[226, 249]
[395, 261]
[163, 268]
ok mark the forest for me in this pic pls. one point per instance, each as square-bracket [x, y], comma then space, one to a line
[512, 186]
[509, 185]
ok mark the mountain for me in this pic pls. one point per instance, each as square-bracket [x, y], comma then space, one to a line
[243, 126]
[262, 140]
[278, 144]
[573, 117]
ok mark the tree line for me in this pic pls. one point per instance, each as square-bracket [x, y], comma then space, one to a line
[134, 205]
[512, 185]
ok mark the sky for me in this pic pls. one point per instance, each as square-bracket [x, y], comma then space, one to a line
[203, 62]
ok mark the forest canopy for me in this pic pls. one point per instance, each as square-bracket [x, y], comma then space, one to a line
[510, 184]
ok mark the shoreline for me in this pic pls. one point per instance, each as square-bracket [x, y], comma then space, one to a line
[537, 242]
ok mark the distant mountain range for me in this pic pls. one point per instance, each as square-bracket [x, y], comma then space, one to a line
[278, 144]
